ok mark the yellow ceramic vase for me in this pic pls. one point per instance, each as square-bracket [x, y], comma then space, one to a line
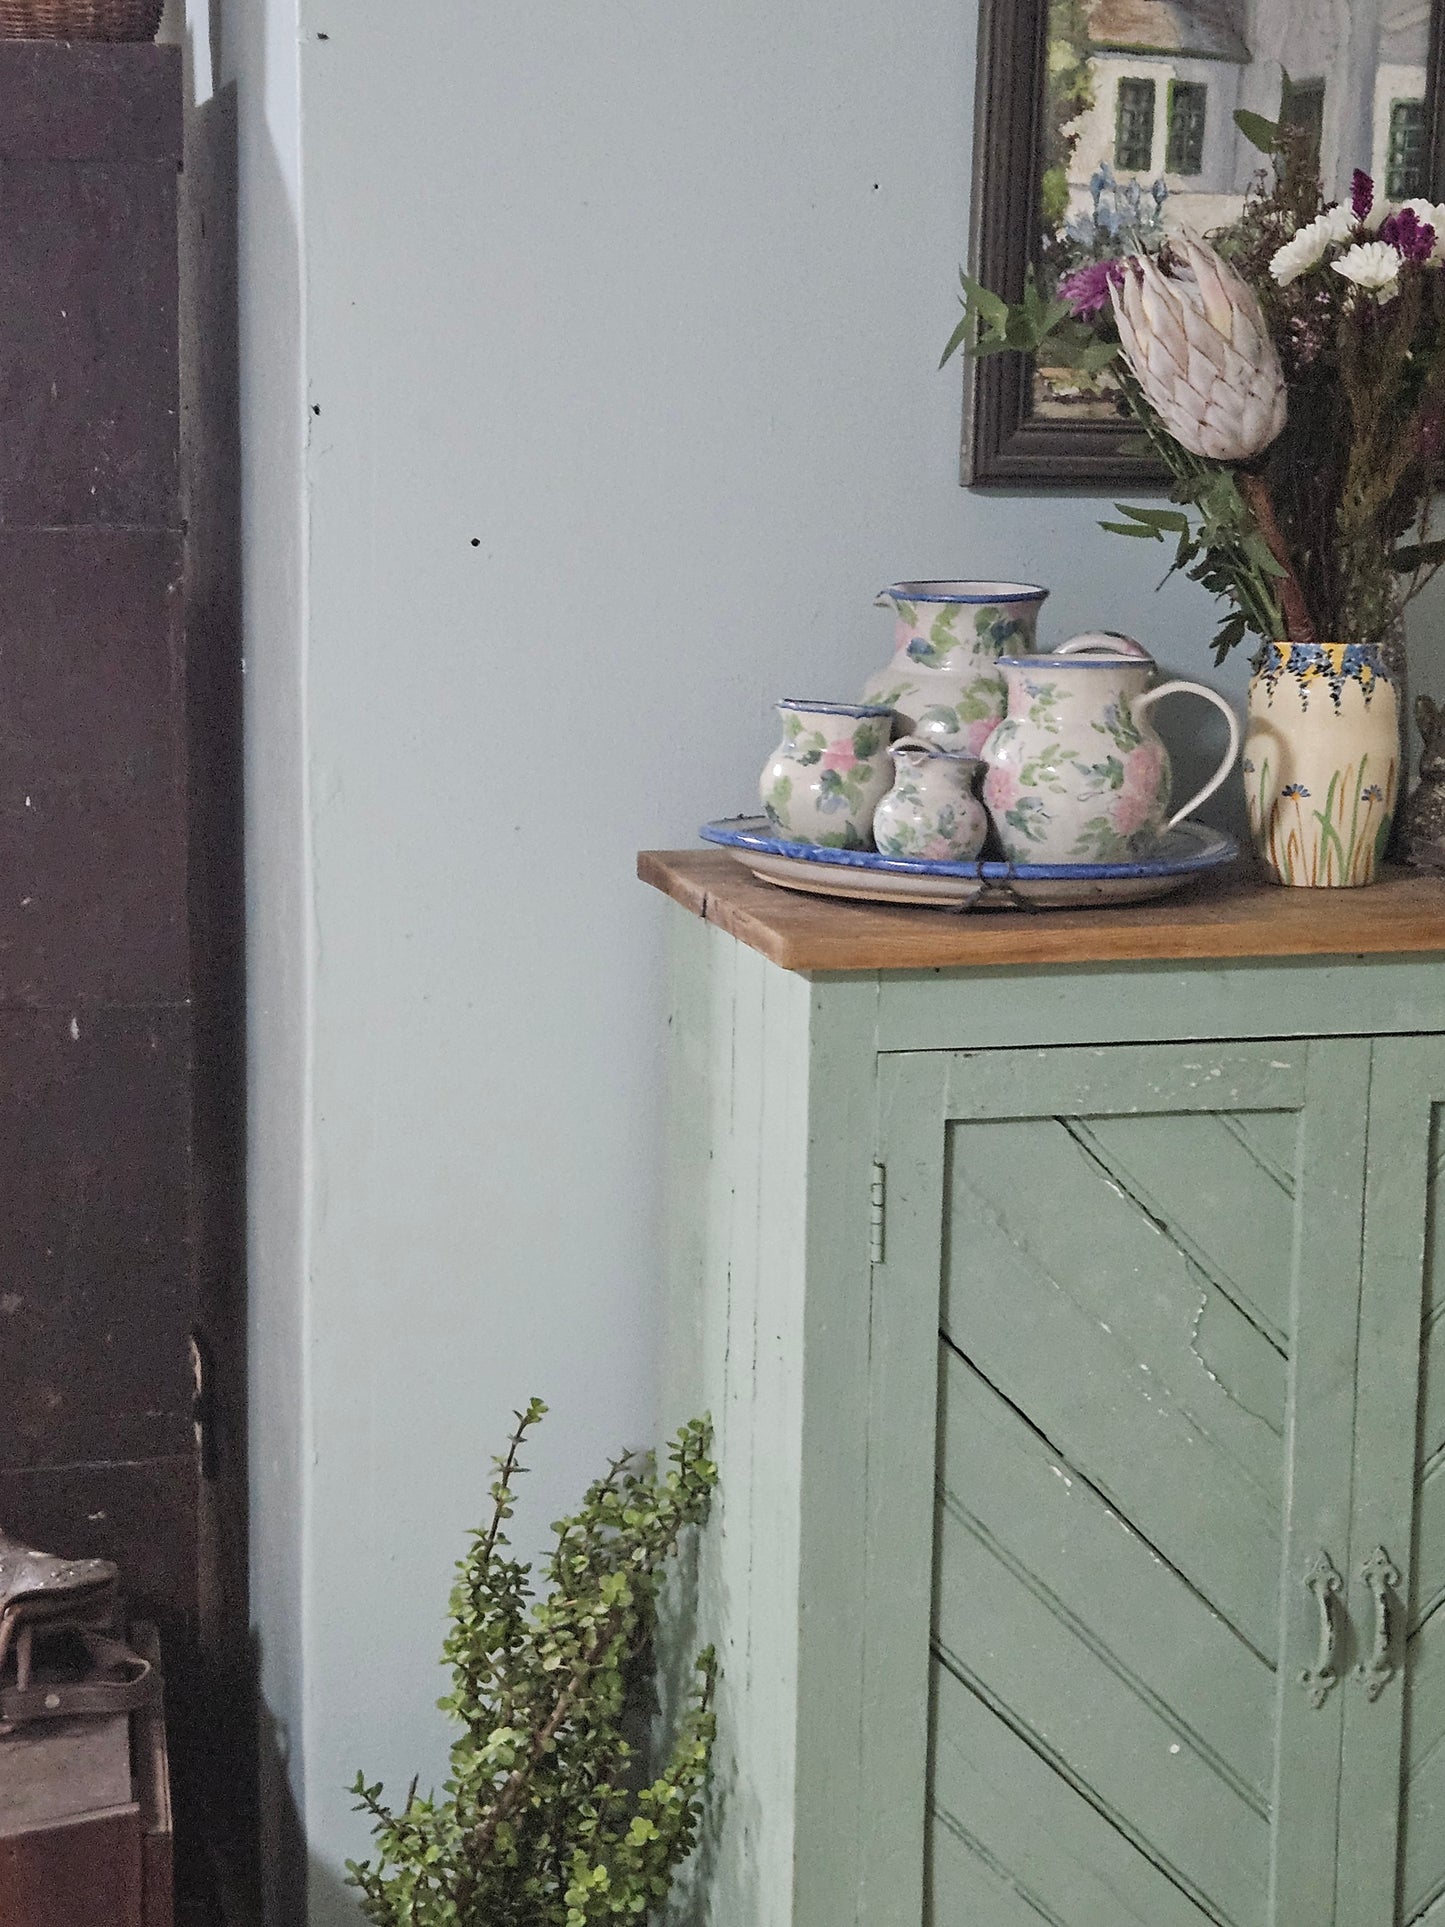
[1322, 762]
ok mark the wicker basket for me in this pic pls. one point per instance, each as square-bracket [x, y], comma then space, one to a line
[80, 19]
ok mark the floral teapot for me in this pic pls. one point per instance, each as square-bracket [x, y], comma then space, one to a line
[1076, 771]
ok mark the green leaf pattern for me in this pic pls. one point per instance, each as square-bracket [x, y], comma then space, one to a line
[1044, 773]
[822, 787]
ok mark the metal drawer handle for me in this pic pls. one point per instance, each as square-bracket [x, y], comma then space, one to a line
[1379, 1573]
[1325, 1583]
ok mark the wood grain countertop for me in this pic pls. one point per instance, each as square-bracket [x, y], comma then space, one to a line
[1235, 916]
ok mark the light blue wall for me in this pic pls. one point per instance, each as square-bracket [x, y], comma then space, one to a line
[618, 323]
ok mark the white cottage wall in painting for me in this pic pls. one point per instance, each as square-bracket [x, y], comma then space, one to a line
[1166, 77]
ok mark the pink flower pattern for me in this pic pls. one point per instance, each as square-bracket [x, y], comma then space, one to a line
[1000, 789]
[1139, 797]
[840, 755]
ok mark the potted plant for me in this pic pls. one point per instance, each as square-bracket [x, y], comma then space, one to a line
[1290, 374]
[547, 1819]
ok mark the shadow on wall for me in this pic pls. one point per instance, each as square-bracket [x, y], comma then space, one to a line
[254, 1825]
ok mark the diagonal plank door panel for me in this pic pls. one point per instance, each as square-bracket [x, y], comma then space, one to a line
[1086, 1312]
[1145, 1434]
[1050, 1535]
[1395, 1738]
[1054, 1858]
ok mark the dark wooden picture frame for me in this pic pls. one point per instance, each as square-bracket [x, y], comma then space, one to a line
[1005, 444]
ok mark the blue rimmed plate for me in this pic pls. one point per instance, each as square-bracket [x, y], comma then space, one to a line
[1189, 851]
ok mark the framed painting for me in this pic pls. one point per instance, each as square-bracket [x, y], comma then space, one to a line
[1103, 123]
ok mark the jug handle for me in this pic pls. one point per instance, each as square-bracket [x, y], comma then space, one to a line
[1141, 706]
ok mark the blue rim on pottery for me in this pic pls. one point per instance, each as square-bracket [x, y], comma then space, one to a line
[834, 709]
[1184, 850]
[989, 592]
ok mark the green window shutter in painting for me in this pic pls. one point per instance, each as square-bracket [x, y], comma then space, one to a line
[1405, 156]
[1185, 151]
[1134, 127]
[1304, 110]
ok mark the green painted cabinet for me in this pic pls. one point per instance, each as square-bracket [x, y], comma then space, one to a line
[1075, 1340]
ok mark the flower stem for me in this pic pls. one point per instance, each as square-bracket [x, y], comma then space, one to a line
[1255, 490]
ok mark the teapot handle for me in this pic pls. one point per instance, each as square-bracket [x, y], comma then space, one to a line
[1142, 704]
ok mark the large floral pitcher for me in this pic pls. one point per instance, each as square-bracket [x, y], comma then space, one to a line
[944, 681]
[1076, 771]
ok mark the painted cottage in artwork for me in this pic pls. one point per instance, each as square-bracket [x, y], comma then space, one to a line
[1162, 80]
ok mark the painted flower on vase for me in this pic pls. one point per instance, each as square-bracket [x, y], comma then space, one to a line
[1139, 797]
[1001, 789]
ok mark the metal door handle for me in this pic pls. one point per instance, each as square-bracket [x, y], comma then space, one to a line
[1325, 1583]
[1379, 1573]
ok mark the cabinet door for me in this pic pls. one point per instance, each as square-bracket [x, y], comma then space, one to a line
[1392, 1819]
[1132, 1277]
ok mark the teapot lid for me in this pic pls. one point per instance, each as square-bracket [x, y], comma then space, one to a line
[1057, 661]
[921, 746]
[1109, 643]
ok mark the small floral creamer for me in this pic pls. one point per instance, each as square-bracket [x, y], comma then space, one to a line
[823, 782]
[1076, 772]
[931, 811]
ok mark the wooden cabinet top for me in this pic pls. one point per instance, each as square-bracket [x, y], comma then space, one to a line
[1236, 917]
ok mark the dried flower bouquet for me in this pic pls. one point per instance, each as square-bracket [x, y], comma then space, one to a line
[1290, 373]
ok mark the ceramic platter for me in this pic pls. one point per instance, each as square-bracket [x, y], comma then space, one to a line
[1180, 855]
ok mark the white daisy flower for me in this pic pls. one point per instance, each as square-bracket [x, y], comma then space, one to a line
[1308, 246]
[1372, 265]
[1339, 220]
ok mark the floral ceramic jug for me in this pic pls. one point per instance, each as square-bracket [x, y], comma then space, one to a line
[829, 773]
[931, 811]
[1076, 772]
[944, 680]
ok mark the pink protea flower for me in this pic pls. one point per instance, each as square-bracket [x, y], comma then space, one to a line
[839, 755]
[1196, 339]
[1087, 289]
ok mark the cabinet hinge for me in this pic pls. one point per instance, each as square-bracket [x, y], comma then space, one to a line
[877, 1213]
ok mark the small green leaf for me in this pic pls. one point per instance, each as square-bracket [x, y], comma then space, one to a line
[957, 339]
[1259, 132]
[991, 308]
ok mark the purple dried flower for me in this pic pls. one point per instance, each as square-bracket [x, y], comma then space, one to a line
[1087, 289]
[1410, 237]
[1362, 193]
